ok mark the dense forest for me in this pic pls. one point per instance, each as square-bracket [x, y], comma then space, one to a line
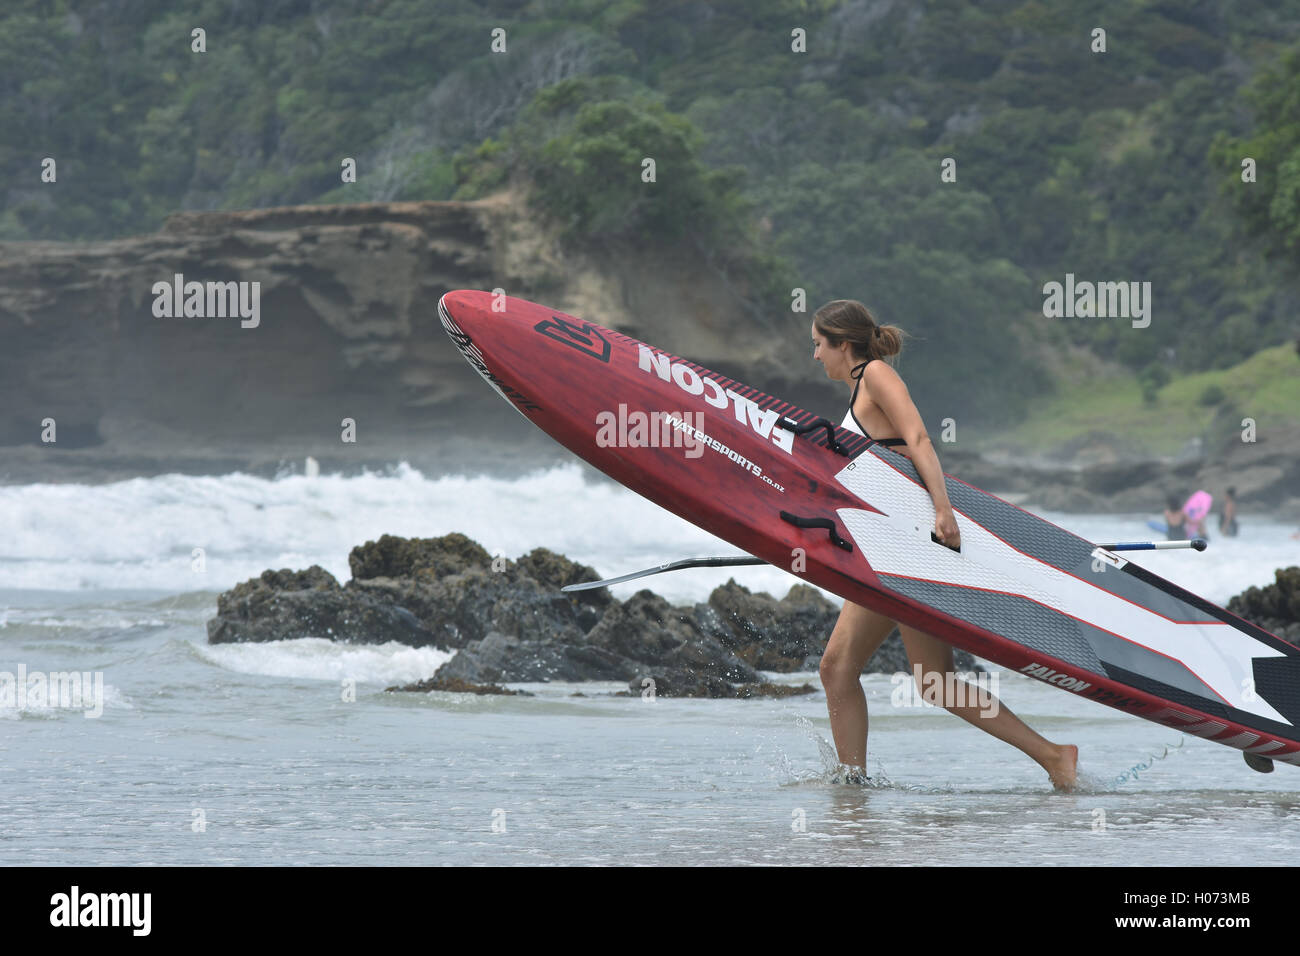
[800, 143]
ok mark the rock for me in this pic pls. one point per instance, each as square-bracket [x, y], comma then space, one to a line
[688, 683]
[647, 629]
[282, 605]
[770, 635]
[509, 621]
[643, 630]
[499, 657]
[456, 686]
[769, 689]
[454, 591]
[554, 571]
[1274, 607]
[393, 557]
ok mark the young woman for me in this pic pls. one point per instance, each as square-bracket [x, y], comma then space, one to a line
[1175, 519]
[851, 346]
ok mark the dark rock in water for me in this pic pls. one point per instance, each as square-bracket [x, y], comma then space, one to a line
[769, 689]
[687, 683]
[1274, 607]
[770, 635]
[648, 629]
[456, 686]
[460, 593]
[501, 657]
[464, 607]
[281, 605]
[393, 557]
[554, 571]
[510, 622]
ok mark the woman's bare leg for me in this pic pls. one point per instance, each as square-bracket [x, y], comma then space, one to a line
[981, 709]
[857, 635]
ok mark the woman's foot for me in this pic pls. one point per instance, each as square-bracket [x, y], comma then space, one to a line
[1063, 769]
[846, 773]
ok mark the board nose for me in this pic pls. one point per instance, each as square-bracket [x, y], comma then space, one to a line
[466, 306]
[485, 316]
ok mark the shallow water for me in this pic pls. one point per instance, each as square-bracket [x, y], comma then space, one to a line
[249, 754]
[254, 754]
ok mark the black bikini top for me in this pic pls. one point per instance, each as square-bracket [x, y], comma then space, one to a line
[856, 373]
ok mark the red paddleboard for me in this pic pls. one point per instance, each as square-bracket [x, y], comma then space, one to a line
[853, 517]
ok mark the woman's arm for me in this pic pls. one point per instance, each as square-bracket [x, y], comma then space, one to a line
[891, 394]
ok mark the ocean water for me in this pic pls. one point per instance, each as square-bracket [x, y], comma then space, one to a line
[292, 753]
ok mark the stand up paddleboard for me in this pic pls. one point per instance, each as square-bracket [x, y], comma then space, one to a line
[853, 517]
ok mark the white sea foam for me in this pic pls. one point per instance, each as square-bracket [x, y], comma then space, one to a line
[142, 533]
[316, 658]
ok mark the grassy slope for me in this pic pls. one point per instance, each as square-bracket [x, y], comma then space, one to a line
[1266, 387]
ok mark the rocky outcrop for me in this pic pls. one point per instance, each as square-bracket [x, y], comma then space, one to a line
[285, 604]
[421, 591]
[509, 622]
[769, 635]
[1274, 607]
[456, 686]
[684, 683]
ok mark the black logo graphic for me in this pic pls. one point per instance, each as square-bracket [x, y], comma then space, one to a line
[585, 338]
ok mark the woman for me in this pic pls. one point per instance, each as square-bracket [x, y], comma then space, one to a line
[850, 346]
[1175, 519]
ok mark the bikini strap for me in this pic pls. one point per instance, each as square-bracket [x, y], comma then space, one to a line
[855, 373]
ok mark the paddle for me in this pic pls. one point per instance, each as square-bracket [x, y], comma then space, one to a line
[1197, 544]
[725, 562]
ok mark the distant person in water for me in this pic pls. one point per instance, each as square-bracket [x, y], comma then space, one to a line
[1175, 520]
[1228, 516]
[853, 349]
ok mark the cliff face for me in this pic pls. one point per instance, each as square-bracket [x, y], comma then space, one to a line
[347, 328]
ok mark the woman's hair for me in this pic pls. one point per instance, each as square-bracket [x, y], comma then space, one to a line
[847, 320]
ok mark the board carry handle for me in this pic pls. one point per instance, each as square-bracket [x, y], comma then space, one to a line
[826, 523]
[790, 425]
[935, 538]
